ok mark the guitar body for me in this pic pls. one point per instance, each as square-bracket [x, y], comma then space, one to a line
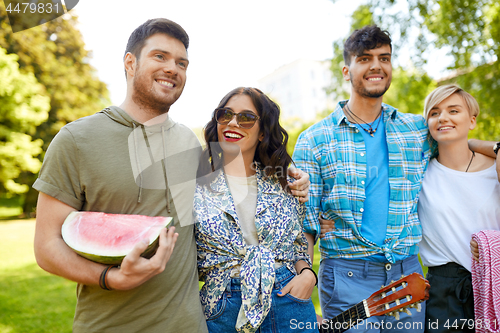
[398, 296]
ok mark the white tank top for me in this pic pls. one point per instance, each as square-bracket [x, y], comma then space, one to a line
[452, 206]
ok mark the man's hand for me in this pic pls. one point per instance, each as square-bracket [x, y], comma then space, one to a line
[474, 249]
[326, 226]
[135, 270]
[300, 187]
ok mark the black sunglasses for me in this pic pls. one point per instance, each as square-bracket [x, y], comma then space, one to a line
[245, 119]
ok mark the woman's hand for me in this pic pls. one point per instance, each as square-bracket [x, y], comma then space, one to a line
[301, 286]
[474, 249]
[326, 226]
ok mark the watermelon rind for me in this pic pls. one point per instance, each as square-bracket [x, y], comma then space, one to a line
[107, 259]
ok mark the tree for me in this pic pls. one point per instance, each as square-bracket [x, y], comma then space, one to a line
[408, 89]
[55, 53]
[22, 107]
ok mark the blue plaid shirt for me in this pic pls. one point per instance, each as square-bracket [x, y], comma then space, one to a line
[333, 153]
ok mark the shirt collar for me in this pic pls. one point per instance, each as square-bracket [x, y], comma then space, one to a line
[338, 116]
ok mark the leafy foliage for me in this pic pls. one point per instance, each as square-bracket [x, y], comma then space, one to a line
[55, 53]
[408, 89]
[22, 108]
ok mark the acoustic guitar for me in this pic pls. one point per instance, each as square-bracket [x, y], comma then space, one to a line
[397, 297]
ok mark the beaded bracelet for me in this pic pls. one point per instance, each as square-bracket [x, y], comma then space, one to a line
[315, 276]
[103, 278]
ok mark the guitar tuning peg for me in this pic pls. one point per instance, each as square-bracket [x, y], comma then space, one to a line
[396, 315]
[402, 275]
[412, 305]
[419, 307]
[392, 281]
[382, 287]
[408, 312]
[401, 309]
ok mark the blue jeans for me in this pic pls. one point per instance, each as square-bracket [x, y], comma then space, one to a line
[287, 313]
[344, 283]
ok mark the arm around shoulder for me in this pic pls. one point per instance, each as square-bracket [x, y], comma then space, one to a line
[483, 147]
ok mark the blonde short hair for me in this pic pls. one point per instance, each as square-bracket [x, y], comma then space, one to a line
[443, 92]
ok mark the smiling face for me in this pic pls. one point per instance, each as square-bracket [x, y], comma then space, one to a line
[450, 120]
[232, 137]
[160, 73]
[370, 73]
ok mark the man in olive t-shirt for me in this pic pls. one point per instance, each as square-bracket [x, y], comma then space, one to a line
[91, 165]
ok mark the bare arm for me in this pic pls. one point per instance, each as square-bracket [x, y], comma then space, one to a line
[51, 252]
[483, 147]
[54, 256]
[486, 148]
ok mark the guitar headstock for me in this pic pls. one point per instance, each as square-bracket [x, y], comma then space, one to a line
[399, 296]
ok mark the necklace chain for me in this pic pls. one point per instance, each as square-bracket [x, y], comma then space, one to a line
[473, 155]
[353, 116]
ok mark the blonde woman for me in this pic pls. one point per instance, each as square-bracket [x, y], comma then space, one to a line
[460, 196]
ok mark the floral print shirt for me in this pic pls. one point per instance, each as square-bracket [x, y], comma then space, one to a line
[221, 247]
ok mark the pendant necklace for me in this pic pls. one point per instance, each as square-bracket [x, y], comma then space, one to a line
[355, 119]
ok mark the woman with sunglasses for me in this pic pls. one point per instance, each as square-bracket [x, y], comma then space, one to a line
[252, 253]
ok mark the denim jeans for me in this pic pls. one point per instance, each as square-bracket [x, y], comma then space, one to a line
[287, 313]
[344, 283]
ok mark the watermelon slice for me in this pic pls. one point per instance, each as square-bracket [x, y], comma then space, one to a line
[108, 238]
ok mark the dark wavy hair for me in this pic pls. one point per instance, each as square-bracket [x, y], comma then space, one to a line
[366, 38]
[270, 155]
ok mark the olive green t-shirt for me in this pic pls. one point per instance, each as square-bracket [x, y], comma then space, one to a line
[109, 163]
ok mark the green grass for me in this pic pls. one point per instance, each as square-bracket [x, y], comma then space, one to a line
[31, 300]
[314, 296]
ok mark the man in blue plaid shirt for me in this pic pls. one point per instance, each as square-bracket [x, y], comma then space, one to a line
[366, 162]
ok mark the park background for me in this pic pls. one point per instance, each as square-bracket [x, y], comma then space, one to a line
[71, 67]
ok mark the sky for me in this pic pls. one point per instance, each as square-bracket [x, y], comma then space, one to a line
[232, 42]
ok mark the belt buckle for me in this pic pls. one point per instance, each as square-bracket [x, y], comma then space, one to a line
[388, 267]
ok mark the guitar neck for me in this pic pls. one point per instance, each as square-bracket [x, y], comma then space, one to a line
[390, 300]
[345, 320]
